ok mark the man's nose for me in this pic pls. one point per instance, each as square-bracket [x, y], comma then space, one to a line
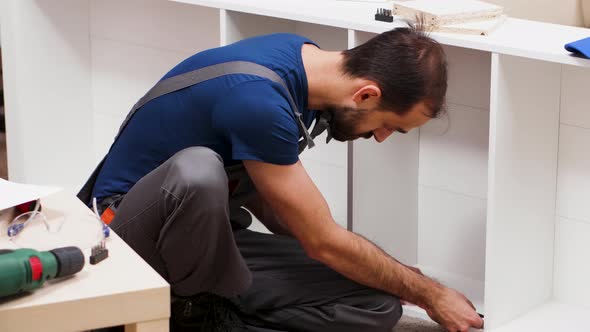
[381, 134]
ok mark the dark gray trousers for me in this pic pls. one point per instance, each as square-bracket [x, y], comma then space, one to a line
[177, 219]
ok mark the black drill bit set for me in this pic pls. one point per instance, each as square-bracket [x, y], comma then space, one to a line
[385, 15]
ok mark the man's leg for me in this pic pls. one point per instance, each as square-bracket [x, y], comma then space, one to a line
[176, 218]
[292, 292]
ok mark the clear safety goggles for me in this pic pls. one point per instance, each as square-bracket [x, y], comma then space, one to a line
[46, 229]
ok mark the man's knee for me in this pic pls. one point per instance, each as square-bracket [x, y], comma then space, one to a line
[197, 170]
[389, 310]
[383, 311]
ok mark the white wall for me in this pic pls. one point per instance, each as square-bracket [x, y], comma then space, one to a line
[573, 202]
[567, 12]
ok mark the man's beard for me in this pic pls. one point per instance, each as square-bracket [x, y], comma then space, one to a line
[344, 123]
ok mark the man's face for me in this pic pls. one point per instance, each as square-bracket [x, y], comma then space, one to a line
[351, 123]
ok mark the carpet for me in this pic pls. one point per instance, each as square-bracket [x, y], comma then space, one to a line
[411, 324]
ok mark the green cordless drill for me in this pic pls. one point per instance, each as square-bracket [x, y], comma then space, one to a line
[26, 269]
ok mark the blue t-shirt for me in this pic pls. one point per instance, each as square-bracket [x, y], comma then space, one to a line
[241, 117]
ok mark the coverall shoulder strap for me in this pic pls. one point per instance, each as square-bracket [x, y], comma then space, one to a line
[197, 76]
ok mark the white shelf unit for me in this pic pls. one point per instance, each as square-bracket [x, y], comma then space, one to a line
[424, 193]
[490, 200]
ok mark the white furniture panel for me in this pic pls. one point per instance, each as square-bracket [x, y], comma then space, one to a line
[328, 38]
[236, 26]
[384, 193]
[385, 206]
[333, 153]
[46, 55]
[469, 77]
[356, 38]
[331, 181]
[575, 99]
[522, 186]
[574, 173]
[156, 24]
[550, 317]
[454, 151]
[123, 72]
[572, 253]
[451, 233]
[534, 40]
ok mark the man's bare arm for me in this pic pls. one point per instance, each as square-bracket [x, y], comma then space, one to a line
[303, 210]
[263, 212]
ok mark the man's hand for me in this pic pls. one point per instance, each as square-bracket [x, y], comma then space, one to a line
[450, 308]
[453, 311]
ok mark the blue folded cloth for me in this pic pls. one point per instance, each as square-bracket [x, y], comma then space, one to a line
[580, 47]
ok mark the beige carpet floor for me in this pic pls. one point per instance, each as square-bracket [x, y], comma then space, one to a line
[411, 324]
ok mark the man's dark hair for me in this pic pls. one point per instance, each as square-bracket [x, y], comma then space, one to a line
[408, 66]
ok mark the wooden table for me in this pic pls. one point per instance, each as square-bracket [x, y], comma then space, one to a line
[121, 290]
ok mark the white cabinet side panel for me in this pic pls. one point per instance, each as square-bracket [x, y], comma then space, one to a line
[522, 186]
[452, 233]
[573, 186]
[156, 23]
[454, 151]
[328, 38]
[385, 182]
[356, 38]
[572, 254]
[46, 54]
[575, 99]
[385, 187]
[469, 77]
[333, 153]
[331, 181]
[240, 26]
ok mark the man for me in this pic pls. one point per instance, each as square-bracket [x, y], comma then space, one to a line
[178, 172]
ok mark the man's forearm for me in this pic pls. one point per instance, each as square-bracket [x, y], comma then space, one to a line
[362, 261]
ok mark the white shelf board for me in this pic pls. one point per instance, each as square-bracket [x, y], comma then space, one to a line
[550, 317]
[530, 39]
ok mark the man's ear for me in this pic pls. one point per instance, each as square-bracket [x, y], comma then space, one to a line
[366, 93]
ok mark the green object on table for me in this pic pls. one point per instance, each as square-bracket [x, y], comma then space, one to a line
[23, 270]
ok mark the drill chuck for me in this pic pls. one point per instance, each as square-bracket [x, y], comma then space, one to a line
[70, 260]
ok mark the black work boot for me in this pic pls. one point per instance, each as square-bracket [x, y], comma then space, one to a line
[203, 312]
